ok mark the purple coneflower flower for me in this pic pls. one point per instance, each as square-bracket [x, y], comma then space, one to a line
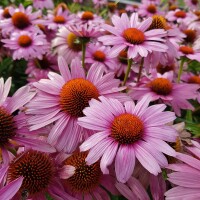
[192, 4]
[40, 4]
[161, 87]
[126, 132]
[189, 52]
[133, 35]
[39, 68]
[21, 20]
[27, 45]
[85, 31]
[58, 19]
[66, 44]
[148, 10]
[61, 99]
[99, 54]
[180, 16]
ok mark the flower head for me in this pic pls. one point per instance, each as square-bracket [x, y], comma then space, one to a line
[189, 52]
[100, 55]
[40, 4]
[161, 87]
[22, 19]
[134, 36]
[67, 95]
[27, 45]
[126, 132]
[66, 44]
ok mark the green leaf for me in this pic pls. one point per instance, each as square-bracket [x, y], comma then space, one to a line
[193, 128]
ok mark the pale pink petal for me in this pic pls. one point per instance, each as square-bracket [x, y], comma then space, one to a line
[77, 70]
[64, 69]
[162, 146]
[93, 140]
[185, 179]
[182, 193]
[67, 171]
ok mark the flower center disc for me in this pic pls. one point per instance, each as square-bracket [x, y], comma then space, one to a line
[152, 9]
[194, 2]
[158, 22]
[194, 79]
[6, 13]
[36, 168]
[127, 129]
[24, 41]
[122, 57]
[161, 86]
[42, 64]
[59, 19]
[164, 68]
[180, 14]
[99, 56]
[86, 177]
[75, 96]
[186, 50]
[20, 20]
[7, 127]
[71, 41]
[134, 36]
[190, 35]
[87, 16]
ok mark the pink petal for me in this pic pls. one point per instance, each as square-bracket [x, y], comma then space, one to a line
[124, 163]
[108, 157]
[35, 144]
[147, 160]
[64, 69]
[8, 191]
[97, 151]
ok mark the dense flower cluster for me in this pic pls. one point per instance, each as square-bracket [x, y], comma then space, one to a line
[100, 113]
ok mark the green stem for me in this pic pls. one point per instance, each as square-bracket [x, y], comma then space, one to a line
[140, 70]
[83, 53]
[180, 71]
[127, 71]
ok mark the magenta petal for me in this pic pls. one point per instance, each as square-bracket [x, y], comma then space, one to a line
[3, 171]
[138, 189]
[125, 191]
[124, 163]
[11, 189]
